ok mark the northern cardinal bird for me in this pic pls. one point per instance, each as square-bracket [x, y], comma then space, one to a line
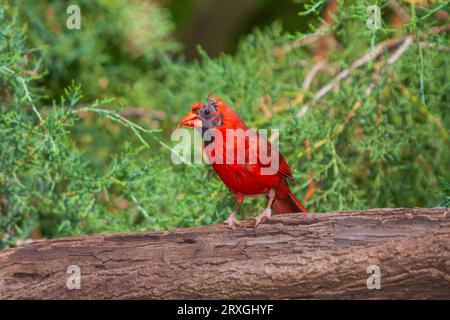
[246, 178]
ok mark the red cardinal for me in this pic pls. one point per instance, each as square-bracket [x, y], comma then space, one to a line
[244, 178]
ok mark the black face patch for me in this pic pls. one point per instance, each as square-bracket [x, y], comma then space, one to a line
[209, 115]
[210, 118]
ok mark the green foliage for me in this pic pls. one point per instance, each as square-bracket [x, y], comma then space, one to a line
[119, 40]
[445, 194]
[73, 164]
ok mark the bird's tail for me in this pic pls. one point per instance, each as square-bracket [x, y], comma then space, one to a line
[290, 204]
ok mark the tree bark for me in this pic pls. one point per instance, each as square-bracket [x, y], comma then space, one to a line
[315, 255]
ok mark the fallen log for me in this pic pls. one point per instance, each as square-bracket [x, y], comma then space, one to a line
[375, 254]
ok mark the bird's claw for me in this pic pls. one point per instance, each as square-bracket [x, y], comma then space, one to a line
[231, 222]
[263, 217]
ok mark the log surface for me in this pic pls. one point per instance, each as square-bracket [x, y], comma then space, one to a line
[295, 256]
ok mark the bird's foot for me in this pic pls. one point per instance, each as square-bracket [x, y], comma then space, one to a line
[263, 217]
[231, 222]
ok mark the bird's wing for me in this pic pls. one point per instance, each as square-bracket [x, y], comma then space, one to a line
[284, 170]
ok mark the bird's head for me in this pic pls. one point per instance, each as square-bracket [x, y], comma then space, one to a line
[206, 116]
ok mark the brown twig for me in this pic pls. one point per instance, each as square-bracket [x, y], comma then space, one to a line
[402, 43]
[138, 112]
[312, 72]
[371, 56]
[306, 40]
[433, 45]
[130, 112]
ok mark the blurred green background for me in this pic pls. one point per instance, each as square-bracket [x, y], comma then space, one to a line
[86, 115]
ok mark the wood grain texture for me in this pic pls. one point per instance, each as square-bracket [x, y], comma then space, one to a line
[316, 255]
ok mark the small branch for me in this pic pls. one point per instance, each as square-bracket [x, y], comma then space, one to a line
[401, 50]
[36, 112]
[305, 40]
[131, 112]
[373, 55]
[137, 129]
[140, 112]
[310, 76]
[340, 128]
[436, 46]
[28, 96]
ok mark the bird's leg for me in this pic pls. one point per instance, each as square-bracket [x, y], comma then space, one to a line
[231, 222]
[267, 211]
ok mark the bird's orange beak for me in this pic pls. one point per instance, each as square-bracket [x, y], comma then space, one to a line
[190, 120]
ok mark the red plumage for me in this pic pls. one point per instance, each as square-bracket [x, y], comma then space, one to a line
[243, 178]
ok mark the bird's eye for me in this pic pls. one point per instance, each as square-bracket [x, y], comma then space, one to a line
[207, 112]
